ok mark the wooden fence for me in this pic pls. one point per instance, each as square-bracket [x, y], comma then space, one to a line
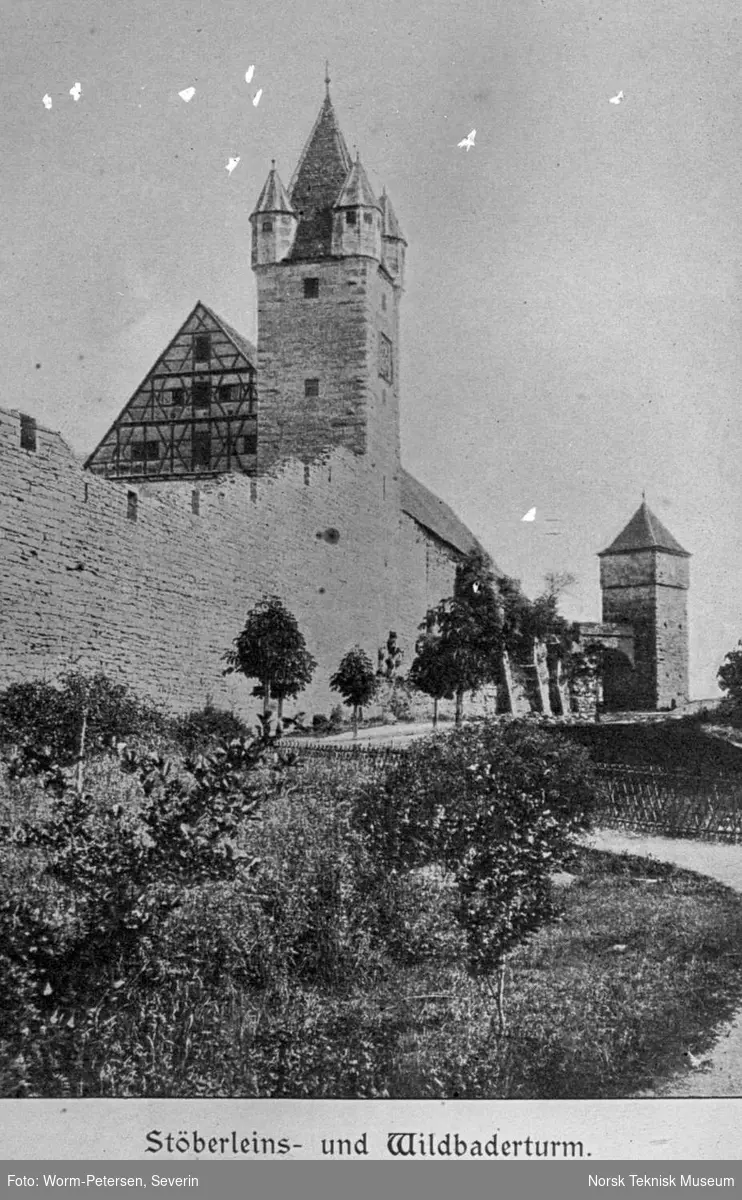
[646, 799]
[671, 803]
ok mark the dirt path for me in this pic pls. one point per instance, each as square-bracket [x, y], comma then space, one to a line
[722, 1076]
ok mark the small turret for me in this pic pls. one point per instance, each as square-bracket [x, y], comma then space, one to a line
[392, 242]
[356, 217]
[273, 221]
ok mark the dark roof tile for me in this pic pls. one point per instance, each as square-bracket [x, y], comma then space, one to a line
[644, 531]
[434, 515]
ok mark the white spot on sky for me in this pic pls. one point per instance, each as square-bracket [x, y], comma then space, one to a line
[187, 94]
[467, 142]
[232, 164]
[76, 91]
[256, 97]
[530, 515]
[47, 101]
[249, 74]
[616, 99]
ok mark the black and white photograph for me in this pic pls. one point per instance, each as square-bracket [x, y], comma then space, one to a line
[370, 623]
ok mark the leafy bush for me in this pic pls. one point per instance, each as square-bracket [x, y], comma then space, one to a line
[497, 806]
[730, 678]
[111, 874]
[40, 714]
[201, 729]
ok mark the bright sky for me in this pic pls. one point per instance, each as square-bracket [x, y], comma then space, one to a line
[571, 326]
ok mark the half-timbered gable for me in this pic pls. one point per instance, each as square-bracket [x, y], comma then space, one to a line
[195, 413]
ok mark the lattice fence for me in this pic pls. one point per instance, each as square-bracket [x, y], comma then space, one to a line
[672, 803]
[645, 799]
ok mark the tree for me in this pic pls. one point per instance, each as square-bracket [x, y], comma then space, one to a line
[389, 658]
[469, 625]
[497, 806]
[271, 649]
[431, 672]
[356, 682]
[730, 676]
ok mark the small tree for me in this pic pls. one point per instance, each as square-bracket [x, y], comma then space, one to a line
[497, 806]
[470, 627]
[389, 658]
[730, 676]
[356, 682]
[431, 671]
[271, 649]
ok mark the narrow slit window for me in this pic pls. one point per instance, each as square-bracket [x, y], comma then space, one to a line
[202, 347]
[28, 432]
[385, 358]
[311, 289]
[132, 505]
[195, 502]
[311, 387]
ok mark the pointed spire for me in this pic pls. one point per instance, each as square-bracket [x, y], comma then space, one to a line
[274, 198]
[317, 180]
[644, 531]
[357, 190]
[389, 224]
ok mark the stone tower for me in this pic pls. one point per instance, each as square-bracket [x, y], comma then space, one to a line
[644, 579]
[329, 260]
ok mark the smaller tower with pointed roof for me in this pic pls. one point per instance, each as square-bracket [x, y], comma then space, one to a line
[273, 221]
[357, 216]
[644, 580]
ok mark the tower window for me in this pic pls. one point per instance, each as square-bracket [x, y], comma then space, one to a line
[28, 432]
[386, 368]
[267, 226]
[195, 503]
[132, 503]
[250, 443]
[350, 218]
[177, 396]
[201, 393]
[311, 387]
[145, 451]
[311, 289]
[201, 448]
[225, 392]
[202, 347]
[368, 218]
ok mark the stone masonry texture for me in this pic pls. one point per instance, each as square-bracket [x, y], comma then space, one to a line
[155, 601]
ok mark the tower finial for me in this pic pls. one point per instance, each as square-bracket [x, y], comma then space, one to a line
[644, 495]
[327, 78]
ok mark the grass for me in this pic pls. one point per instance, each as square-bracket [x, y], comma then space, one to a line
[298, 995]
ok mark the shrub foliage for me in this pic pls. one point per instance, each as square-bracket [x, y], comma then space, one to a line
[497, 806]
[41, 714]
